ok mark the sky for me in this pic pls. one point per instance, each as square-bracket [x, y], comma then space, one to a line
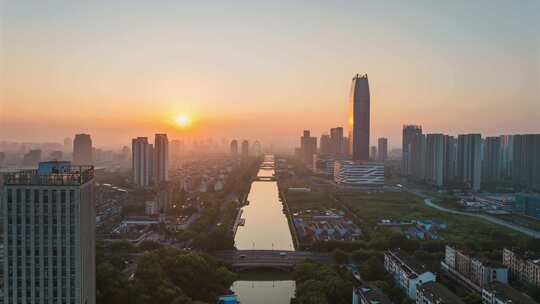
[265, 69]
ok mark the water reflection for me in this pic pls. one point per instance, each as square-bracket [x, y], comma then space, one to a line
[266, 227]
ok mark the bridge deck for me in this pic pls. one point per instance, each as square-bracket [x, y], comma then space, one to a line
[245, 259]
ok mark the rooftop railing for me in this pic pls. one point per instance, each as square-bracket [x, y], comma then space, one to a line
[76, 176]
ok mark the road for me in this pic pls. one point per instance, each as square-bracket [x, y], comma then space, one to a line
[428, 201]
[245, 259]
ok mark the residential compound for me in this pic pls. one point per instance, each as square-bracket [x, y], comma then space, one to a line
[472, 272]
[49, 240]
[523, 268]
[406, 271]
[471, 161]
[150, 163]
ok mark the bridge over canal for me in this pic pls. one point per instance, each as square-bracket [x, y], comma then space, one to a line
[242, 260]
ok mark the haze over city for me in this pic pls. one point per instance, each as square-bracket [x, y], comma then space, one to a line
[256, 70]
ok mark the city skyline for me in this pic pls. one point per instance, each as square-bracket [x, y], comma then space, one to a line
[472, 69]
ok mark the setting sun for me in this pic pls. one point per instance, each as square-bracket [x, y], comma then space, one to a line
[182, 120]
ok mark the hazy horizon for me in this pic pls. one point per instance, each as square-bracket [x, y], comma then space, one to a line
[265, 71]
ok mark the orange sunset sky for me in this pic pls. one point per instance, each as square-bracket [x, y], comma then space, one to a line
[258, 70]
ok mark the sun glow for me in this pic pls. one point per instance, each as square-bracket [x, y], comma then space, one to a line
[183, 120]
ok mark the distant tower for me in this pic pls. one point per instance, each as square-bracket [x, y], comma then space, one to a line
[68, 144]
[257, 150]
[373, 153]
[382, 149]
[410, 136]
[245, 148]
[141, 161]
[359, 109]
[337, 141]
[234, 147]
[161, 158]
[469, 160]
[82, 150]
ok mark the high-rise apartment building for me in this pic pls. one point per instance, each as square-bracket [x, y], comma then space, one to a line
[491, 163]
[141, 161]
[373, 153]
[410, 133]
[337, 141]
[450, 159]
[82, 150]
[234, 147]
[256, 148]
[68, 144]
[308, 147]
[417, 154]
[526, 162]
[507, 155]
[161, 158]
[382, 149]
[326, 144]
[469, 160]
[49, 240]
[359, 115]
[435, 159]
[245, 148]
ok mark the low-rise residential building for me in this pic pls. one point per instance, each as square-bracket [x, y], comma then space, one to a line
[472, 271]
[406, 271]
[369, 294]
[435, 293]
[523, 267]
[498, 293]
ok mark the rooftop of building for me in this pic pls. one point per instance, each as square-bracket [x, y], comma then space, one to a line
[51, 173]
[437, 293]
[509, 295]
[372, 294]
[415, 267]
[525, 254]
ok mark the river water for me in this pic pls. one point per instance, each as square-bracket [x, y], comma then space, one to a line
[266, 227]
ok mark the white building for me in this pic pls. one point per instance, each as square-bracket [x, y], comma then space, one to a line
[49, 220]
[141, 161]
[499, 293]
[435, 159]
[407, 272]
[358, 174]
[161, 158]
[435, 293]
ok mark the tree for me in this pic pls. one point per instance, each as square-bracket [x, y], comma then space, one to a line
[372, 269]
[340, 256]
[472, 298]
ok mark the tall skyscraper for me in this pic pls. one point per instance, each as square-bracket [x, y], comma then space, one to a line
[469, 160]
[526, 163]
[161, 158]
[234, 147]
[337, 141]
[418, 157]
[141, 161]
[359, 112]
[410, 133]
[245, 148]
[308, 147]
[49, 240]
[435, 159]
[491, 164]
[382, 149]
[82, 150]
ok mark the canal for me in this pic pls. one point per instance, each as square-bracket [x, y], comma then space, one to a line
[265, 227]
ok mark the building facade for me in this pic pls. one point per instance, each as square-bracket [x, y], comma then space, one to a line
[469, 160]
[161, 158]
[359, 116]
[234, 147]
[382, 149]
[522, 267]
[406, 272]
[410, 133]
[308, 147]
[141, 161]
[82, 150]
[526, 162]
[245, 148]
[358, 174]
[49, 241]
[435, 293]
[491, 163]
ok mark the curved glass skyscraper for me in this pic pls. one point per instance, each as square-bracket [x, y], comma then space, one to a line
[359, 108]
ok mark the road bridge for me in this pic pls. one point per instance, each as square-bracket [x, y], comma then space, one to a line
[285, 260]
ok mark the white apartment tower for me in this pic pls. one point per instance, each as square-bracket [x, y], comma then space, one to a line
[49, 240]
[141, 161]
[161, 158]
